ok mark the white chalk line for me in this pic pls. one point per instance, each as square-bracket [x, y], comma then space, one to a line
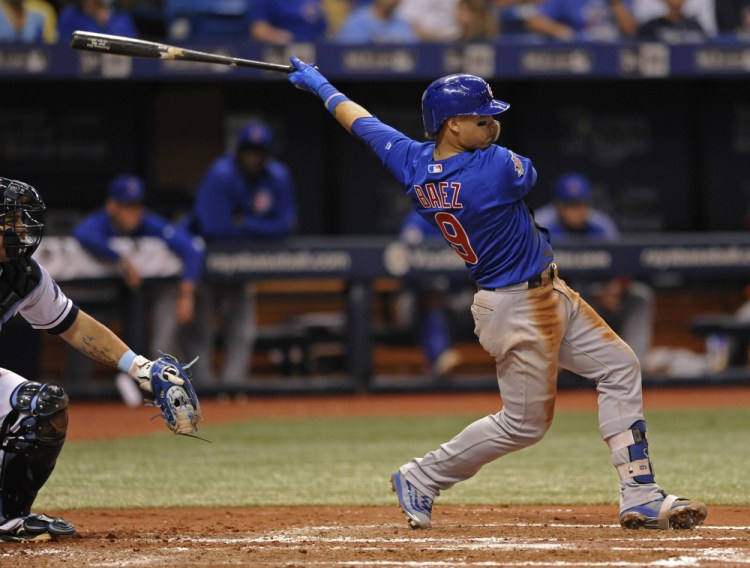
[303, 536]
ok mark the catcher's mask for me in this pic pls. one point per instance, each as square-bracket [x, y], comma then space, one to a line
[20, 209]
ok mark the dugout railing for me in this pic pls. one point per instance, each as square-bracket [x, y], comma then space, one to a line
[324, 303]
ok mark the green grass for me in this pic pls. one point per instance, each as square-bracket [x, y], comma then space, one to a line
[701, 454]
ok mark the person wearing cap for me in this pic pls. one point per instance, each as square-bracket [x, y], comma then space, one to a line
[626, 305]
[246, 194]
[125, 215]
[527, 318]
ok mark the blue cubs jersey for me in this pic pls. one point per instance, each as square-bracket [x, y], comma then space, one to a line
[476, 200]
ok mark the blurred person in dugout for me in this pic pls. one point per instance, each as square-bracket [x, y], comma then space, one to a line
[434, 306]
[99, 16]
[248, 195]
[27, 21]
[171, 304]
[626, 305]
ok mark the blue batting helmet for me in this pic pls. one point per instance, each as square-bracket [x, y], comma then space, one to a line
[454, 95]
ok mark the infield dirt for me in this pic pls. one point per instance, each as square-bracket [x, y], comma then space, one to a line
[378, 536]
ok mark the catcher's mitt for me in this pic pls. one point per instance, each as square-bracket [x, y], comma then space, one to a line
[178, 402]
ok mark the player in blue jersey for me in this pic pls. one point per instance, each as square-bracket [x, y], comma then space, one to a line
[246, 194]
[125, 215]
[171, 303]
[525, 316]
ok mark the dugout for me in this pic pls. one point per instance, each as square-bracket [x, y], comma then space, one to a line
[663, 132]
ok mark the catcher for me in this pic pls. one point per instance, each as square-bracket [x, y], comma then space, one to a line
[34, 416]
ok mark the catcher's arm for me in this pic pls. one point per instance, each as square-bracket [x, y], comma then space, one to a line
[164, 378]
[94, 339]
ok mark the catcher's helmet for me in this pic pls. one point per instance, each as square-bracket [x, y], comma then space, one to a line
[454, 95]
[20, 209]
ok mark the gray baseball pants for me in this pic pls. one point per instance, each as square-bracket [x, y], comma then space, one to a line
[530, 333]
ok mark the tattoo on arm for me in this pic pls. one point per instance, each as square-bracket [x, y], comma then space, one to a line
[94, 349]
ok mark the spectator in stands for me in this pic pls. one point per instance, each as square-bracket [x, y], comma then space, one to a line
[281, 23]
[477, 20]
[337, 11]
[171, 304]
[377, 23]
[588, 20]
[430, 302]
[673, 27]
[94, 16]
[432, 20]
[148, 16]
[626, 305]
[206, 18]
[27, 21]
[733, 18]
[512, 15]
[245, 194]
[703, 11]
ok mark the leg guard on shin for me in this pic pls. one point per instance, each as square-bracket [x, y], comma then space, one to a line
[32, 437]
[639, 467]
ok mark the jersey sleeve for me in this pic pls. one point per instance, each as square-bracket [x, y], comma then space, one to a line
[180, 241]
[395, 150]
[47, 307]
[516, 174]
[93, 233]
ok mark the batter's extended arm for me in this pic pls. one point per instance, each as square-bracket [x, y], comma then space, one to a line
[308, 78]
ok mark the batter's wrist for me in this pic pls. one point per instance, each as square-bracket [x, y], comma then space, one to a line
[331, 96]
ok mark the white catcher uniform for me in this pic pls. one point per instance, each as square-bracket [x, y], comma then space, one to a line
[33, 416]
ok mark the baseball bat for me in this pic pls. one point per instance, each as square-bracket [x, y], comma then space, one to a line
[103, 43]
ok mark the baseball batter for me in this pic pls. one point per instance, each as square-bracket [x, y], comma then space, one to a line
[33, 415]
[525, 316]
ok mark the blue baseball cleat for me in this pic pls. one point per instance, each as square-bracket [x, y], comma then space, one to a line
[670, 512]
[416, 505]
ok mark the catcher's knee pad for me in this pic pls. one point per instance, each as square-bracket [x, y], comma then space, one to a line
[33, 435]
[639, 467]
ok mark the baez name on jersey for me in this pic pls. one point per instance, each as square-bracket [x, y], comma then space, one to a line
[442, 195]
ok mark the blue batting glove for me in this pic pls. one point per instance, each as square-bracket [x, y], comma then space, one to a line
[306, 77]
